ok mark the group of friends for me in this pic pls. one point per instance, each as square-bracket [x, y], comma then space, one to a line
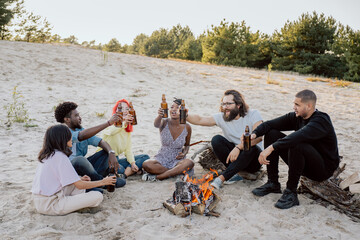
[66, 180]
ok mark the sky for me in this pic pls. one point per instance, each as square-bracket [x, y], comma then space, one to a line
[102, 20]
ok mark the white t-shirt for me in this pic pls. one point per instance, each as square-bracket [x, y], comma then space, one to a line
[234, 129]
[53, 174]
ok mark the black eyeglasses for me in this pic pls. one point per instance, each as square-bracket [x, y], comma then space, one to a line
[227, 104]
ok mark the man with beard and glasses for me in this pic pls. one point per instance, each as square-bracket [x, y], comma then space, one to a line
[233, 118]
[98, 165]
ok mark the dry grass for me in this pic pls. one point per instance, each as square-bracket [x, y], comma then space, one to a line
[206, 74]
[339, 83]
[272, 81]
[255, 77]
[286, 78]
[317, 79]
[100, 114]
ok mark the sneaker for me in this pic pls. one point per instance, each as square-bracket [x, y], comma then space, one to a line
[149, 177]
[120, 182]
[217, 183]
[287, 200]
[233, 179]
[269, 187]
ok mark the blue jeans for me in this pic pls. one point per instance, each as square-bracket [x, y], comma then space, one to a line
[139, 160]
[95, 166]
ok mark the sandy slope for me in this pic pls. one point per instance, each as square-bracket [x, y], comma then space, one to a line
[49, 74]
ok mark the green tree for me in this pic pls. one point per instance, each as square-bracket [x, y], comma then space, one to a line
[113, 46]
[138, 44]
[347, 46]
[71, 39]
[305, 45]
[159, 44]
[8, 10]
[234, 44]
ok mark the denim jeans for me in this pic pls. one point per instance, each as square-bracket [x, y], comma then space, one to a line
[95, 166]
[139, 160]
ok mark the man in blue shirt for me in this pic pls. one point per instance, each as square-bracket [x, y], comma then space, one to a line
[98, 165]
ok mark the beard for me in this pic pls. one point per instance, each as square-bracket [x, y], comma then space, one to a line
[233, 114]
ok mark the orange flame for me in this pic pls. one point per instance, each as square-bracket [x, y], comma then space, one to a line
[205, 188]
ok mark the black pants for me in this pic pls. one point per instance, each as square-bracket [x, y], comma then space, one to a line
[302, 159]
[246, 161]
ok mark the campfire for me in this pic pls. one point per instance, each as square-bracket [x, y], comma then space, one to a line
[194, 195]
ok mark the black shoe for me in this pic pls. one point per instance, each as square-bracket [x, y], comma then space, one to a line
[287, 200]
[269, 187]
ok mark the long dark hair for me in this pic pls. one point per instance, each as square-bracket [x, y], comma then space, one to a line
[56, 137]
[239, 101]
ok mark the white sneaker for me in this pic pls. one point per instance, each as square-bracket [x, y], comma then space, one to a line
[217, 183]
[149, 177]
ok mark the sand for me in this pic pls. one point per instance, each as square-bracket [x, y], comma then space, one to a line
[49, 74]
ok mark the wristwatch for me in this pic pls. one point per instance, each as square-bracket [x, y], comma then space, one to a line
[112, 151]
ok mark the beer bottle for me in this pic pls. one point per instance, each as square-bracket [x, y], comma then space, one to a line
[247, 140]
[164, 106]
[119, 110]
[133, 113]
[111, 188]
[182, 113]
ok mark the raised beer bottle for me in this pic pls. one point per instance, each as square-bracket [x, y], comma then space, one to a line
[133, 113]
[111, 188]
[119, 110]
[164, 106]
[247, 139]
[182, 112]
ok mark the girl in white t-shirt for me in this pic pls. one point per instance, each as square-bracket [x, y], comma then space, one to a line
[57, 189]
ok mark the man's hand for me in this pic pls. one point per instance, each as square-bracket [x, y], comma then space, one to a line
[113, 163]
[233, 155]
[264, 154]
[252, 136]
[134, 167]
[85, 178]
[114, 118]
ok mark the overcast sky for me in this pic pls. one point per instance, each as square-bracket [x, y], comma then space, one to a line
[102, 20]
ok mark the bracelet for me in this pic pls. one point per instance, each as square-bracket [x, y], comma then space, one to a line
[108, 123]
[238, 148]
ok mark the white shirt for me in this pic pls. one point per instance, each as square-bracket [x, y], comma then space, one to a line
[53, 174]
[234, 129]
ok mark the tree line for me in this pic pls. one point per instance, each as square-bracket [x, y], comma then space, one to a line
[312, 44]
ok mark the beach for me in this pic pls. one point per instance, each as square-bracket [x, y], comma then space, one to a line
[48, 74]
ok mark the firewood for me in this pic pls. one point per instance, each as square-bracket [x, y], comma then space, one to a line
[177, 209]
[354, 188]
[212, 213]
[199, 208]
[352, 179]
[216, 200]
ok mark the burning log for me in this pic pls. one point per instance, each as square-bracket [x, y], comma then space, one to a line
[193, 195]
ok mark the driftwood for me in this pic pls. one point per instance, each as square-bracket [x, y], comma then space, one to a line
[330, 192]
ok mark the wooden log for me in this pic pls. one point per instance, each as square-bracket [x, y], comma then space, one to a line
[212, 205]
[354, 188]
[331, 192]
[199, 209]
[177, 209]
[352, 179]
[212, 213]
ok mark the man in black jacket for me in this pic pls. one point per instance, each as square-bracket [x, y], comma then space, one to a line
[310, 151]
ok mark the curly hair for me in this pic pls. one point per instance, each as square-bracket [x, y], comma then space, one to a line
[63, 110]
